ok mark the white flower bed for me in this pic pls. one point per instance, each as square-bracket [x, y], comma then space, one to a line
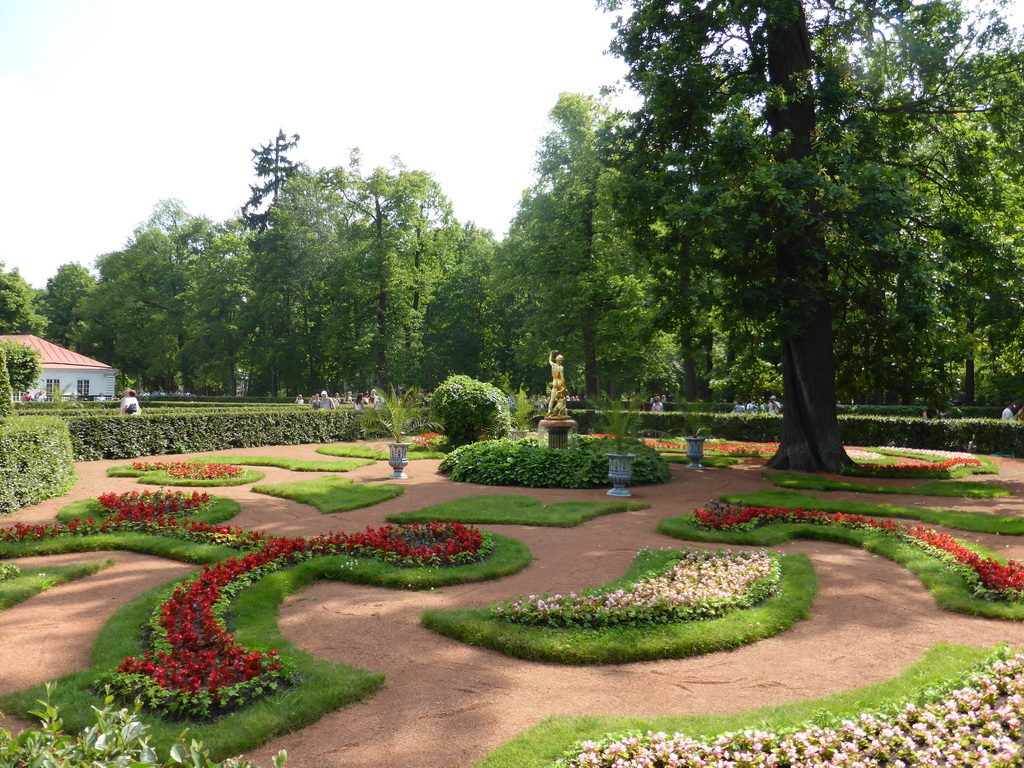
[700, 585]
[977, 725]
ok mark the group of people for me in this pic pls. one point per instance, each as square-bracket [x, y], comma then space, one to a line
[326, 402]
[773, 407]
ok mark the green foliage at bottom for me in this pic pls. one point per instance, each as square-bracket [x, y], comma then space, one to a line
[36, 462]
[938, 670]
[477, 626]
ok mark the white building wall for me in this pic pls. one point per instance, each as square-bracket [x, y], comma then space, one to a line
[96, 382]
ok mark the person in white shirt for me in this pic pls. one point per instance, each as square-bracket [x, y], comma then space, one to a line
[774, 406]
[1008, 412]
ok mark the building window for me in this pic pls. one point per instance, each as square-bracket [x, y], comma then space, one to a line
[83, 388]
[52, 386]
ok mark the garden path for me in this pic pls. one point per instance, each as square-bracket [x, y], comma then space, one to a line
[446, 705]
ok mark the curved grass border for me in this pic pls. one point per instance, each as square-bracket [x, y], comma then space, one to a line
[366, 452]
[332, 494]
[964, 490]
[947, 586]
[975, 522]
[708, 462]
[322, 686]
[162, 478]
[31, 581]
[940, 668]
[515, 509]
[294, 465]
[476, 626]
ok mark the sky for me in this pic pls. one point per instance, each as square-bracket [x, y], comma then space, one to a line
[109, 106]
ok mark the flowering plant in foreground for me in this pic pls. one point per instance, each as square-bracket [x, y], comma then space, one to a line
[700, 585]
[976, 725]
[190, 470]
[427, 439]
[988, 577]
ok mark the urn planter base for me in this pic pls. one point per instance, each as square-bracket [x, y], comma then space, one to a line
[620, 472]
[398, 460]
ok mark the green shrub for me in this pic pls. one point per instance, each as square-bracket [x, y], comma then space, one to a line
[523, 462]
[36, 461]
[466, 409]
[151, 434]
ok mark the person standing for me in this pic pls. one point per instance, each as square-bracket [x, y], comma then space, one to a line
[1008, 412]
[774, 406]
[130, 402]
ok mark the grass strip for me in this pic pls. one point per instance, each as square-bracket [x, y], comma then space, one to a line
[515, 509]
[162, 478]
[323, 687]
[976, 522]
[714, 462]
[332, 494]
[966, 490]
[295, 465]
[939, 668]
[32, 581]
[947, 586]
[477, 626]
[366, 452]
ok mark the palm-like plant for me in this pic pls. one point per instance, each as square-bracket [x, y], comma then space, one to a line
[619, 418]
[524, 413]
[397, 418]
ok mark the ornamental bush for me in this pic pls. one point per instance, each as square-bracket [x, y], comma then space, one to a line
[152, 434]
[466, 409]
[36, 461]
[523, 462]
[6, 404]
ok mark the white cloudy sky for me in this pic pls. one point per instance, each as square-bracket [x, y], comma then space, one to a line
[109, 106]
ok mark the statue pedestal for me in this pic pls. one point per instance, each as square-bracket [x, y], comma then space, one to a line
[557, 431]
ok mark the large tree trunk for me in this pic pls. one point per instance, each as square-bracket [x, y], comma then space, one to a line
[810, 429]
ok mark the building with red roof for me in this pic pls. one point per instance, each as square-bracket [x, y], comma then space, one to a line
[68, 371]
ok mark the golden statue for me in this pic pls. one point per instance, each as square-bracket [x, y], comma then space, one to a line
[559, 394]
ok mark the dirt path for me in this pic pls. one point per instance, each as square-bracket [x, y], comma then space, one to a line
[446, 705]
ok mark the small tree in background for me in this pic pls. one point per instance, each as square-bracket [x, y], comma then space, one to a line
[24, 367]
[6, 404]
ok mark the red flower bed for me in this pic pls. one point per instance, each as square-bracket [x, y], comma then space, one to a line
[741, 449]
[923, 466]
[427, 439]
[190, 470]
[196, 667]
[1007, 581]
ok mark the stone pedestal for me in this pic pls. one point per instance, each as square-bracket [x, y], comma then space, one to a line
[557, 431]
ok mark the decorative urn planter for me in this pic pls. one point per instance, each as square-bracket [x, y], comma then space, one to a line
[695, 451]
[519, 434]
[399, 460]
[620, 472]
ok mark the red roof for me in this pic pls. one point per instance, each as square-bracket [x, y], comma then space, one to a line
[54, 356]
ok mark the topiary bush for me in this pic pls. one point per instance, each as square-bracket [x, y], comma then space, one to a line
[523, 462]
[465, 409]
[36, 461]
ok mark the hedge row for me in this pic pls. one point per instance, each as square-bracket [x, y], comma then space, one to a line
[150, 434]
[114, 406]
[35, 462]
[975, 435]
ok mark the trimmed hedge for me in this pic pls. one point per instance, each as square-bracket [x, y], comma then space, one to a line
[150, 434]
[974, 435]
[36, 462]
[466, 409]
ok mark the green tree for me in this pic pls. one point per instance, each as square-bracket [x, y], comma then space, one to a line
[787, 153]
[272, 164]
[17, 305]
[61, 304]
[6, 403]
[565, 251]
[24, 365]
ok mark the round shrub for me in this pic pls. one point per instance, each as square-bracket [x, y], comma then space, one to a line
[523, 462]
[466, 408]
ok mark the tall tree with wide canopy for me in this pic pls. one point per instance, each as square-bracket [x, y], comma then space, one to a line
[61, 304]
[783, 140]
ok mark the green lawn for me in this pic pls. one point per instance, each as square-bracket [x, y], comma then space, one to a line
[515, 509]
[332, 494]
